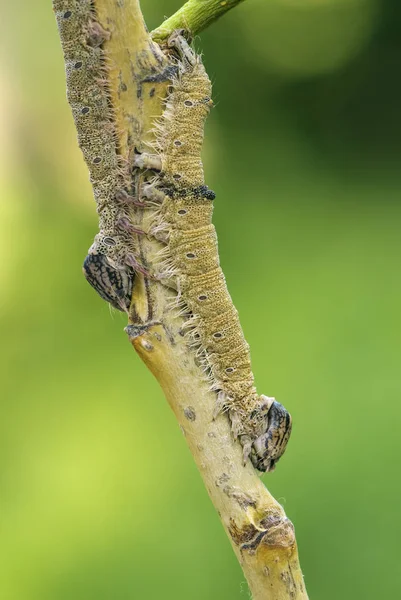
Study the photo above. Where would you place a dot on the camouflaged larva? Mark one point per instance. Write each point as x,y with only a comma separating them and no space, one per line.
82,37
192,262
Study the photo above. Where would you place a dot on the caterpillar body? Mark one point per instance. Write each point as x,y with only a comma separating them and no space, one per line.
109,266
190,262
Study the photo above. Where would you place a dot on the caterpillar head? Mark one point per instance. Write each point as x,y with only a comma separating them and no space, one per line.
267,449
111,283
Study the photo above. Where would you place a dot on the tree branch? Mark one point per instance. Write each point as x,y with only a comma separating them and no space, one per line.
262,537
194,16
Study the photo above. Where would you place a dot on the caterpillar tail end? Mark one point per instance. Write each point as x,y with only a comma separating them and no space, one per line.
265,451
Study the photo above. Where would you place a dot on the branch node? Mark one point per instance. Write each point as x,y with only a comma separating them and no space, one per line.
135,331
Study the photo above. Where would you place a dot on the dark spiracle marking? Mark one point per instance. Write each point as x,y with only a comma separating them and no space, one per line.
109,241
113,285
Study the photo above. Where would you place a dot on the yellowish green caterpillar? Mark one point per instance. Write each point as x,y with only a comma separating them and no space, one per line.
191,262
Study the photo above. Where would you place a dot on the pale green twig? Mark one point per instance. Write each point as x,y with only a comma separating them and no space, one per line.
194,16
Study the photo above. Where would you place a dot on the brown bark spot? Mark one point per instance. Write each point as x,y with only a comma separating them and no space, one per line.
274,530
223,478
243,499
190,413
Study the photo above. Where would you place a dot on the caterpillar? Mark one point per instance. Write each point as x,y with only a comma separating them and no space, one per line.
190,261
110,264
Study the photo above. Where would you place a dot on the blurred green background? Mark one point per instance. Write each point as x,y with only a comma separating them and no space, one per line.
99,497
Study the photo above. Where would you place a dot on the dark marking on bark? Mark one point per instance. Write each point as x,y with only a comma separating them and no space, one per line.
274,531
288,579
155,50
166,75
222,479
169,334
134,331
147,290
280,531
241,536
253,545
190,413
242,499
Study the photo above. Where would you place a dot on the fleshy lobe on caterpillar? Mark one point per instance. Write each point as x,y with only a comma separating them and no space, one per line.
184,223
110,261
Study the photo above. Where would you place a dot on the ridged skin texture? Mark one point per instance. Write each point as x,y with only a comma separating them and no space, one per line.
192,260
86,73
